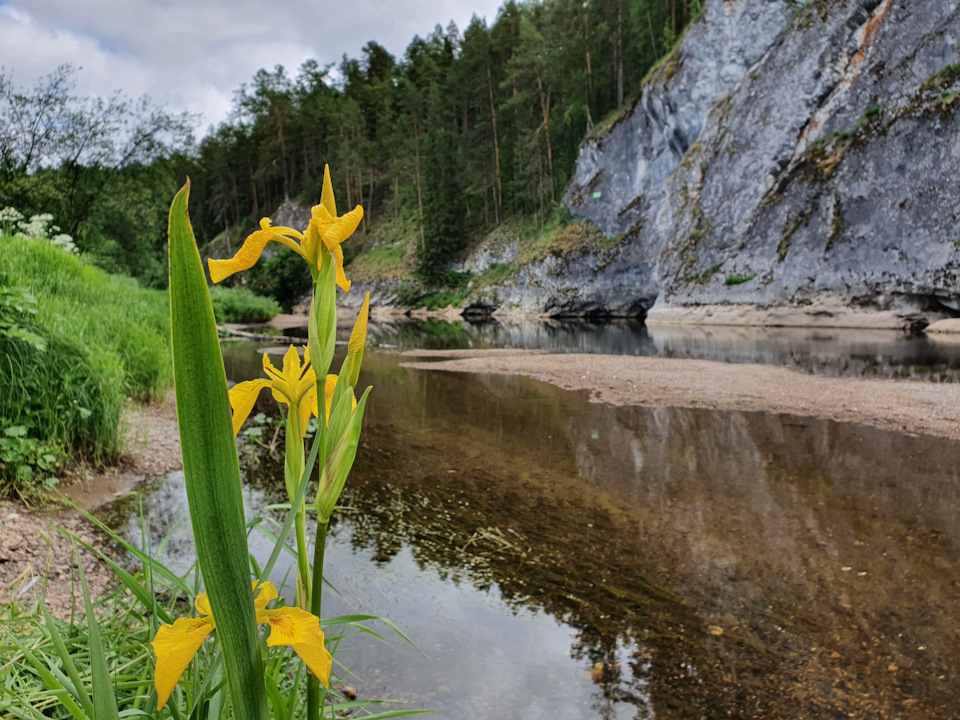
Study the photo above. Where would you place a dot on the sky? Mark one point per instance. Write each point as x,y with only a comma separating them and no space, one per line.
193,54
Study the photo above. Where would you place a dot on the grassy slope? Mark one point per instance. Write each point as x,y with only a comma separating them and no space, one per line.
107,339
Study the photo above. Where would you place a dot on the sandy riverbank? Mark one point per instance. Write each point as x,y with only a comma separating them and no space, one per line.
36,559
918,408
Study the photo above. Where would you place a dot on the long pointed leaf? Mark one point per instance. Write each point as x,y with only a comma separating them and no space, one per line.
211,468
79,691
104,700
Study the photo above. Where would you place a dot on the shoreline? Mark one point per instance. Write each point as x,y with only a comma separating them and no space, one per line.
35,558
906,406
31,547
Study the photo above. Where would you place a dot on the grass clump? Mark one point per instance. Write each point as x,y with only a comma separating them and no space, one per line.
380,263
239,305
738,279
704,275
74,342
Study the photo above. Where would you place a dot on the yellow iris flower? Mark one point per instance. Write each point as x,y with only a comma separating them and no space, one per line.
294,385
176,645
325,230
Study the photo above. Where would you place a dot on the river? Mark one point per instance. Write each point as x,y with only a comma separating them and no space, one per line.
557,558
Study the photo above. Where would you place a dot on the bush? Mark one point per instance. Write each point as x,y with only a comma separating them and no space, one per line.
74,342
239,305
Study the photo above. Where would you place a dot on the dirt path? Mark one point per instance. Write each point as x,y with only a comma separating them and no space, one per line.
916,408
36,559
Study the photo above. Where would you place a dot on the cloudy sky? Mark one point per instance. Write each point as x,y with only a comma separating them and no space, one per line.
193,54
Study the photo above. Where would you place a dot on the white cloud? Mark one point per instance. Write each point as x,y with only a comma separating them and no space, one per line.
193,54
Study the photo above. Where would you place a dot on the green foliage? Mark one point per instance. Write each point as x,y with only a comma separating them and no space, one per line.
17,309
494,274
76,343
210,467
51,667
467,130
239,305
381,262
704,275
283,277
738,279
450,290
26,464
945,77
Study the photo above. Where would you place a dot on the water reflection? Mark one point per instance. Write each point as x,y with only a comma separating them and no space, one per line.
829,351
557,558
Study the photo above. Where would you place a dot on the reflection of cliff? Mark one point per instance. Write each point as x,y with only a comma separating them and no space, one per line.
824,351
826,553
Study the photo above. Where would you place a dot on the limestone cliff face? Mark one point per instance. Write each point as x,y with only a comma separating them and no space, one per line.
785,154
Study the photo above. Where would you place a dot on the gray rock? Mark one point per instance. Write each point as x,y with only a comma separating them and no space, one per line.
783,155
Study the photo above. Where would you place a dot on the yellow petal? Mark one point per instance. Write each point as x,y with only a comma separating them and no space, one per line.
248,254
291,377
308,404
341,277
311,246
328,387
301,631
343,228
175,645
243,396
359,335
326,194
202,604
268,592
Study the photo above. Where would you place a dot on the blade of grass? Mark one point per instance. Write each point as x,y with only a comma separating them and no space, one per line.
52,683
104,700
80,691
146,598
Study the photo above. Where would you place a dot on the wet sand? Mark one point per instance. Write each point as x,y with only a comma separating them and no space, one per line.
912,407
36,560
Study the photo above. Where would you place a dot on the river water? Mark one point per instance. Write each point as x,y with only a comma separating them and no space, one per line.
557,558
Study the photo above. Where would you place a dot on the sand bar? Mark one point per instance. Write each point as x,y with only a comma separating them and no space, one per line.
912,407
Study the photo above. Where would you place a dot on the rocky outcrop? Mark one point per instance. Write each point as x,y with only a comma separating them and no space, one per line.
784,155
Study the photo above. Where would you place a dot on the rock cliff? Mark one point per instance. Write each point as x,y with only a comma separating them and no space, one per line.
786,156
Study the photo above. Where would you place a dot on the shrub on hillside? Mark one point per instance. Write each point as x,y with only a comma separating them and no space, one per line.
239,305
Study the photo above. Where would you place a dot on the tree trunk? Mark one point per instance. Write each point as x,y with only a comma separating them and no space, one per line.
498,194
416,146
619,53
368,210
653,39
545,109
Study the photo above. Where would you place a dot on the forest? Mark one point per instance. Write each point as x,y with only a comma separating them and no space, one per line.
469,128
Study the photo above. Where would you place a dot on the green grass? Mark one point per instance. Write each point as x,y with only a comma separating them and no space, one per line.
379,263
738,279
102,338
240,305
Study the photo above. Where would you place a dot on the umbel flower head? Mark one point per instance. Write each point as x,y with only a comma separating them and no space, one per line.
325,231
176,645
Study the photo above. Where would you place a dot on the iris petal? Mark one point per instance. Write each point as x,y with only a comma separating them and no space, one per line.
248,254
343,228
326,194
175,645
268,592
301,631
243,396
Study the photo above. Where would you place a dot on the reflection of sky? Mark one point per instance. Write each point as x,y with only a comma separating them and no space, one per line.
477,657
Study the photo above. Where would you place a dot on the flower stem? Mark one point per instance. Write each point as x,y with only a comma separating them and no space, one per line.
302,560
313,684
